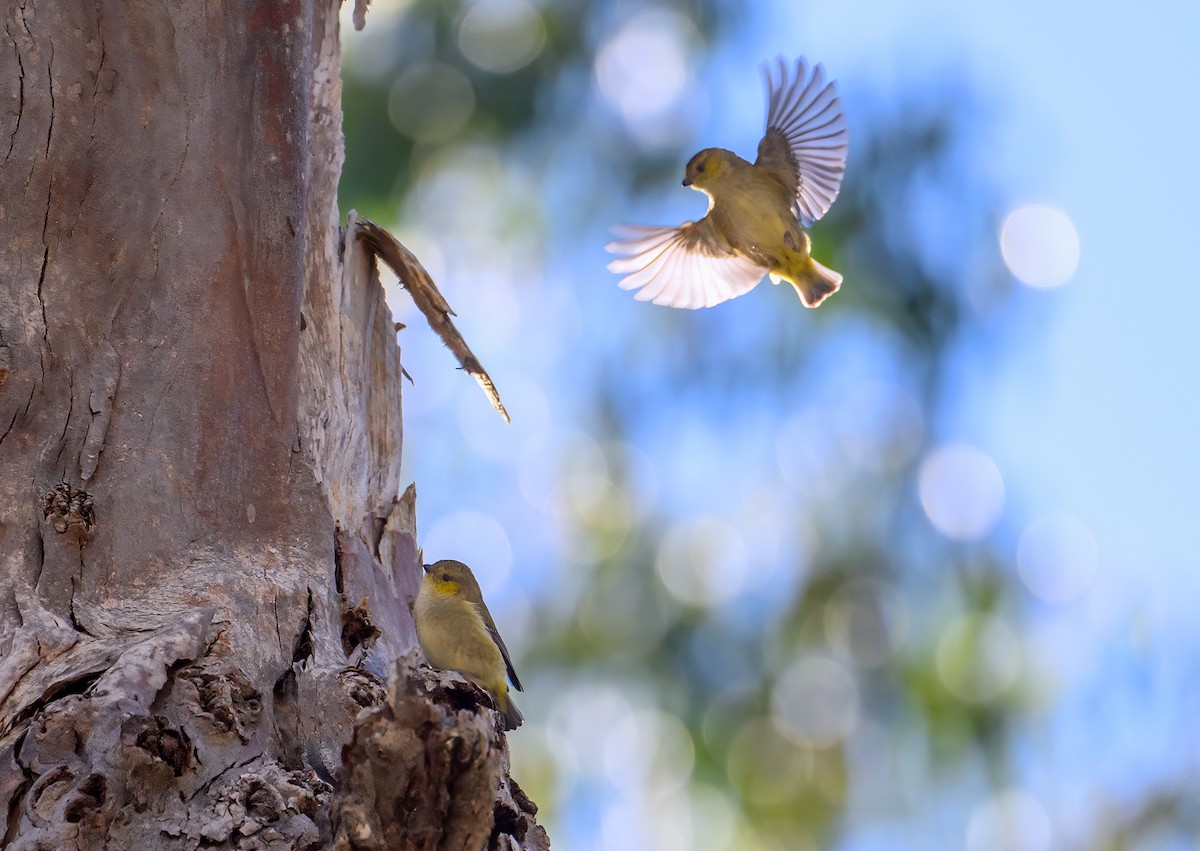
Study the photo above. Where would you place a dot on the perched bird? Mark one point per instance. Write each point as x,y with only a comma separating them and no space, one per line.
456,632
755,211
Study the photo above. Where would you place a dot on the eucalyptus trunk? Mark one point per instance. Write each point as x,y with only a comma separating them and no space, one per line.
205,568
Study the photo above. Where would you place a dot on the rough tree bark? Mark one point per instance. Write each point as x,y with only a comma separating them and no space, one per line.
204,569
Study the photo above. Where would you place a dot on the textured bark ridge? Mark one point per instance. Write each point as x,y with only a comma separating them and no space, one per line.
423,772
205,571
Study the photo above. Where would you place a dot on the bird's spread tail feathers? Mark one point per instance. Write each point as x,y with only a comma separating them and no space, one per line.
813,282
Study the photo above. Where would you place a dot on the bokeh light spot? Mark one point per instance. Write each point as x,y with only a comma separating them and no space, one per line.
702,563
1012,820
662,821
714,818
575,716
644,71
768,767
475,538
431,103
1057,558
596,511
866,621
961,491
978,658
816,700
649,749
1040,245
501,36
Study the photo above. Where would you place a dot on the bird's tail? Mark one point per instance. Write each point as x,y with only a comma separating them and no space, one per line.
508,711
813,282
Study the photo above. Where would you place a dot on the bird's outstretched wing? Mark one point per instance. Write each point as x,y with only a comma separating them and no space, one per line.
689,266
805,144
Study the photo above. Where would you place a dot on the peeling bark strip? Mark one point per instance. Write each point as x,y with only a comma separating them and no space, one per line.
204,565
428,298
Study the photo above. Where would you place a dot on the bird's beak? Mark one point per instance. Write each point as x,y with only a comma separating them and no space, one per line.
426,567
687,181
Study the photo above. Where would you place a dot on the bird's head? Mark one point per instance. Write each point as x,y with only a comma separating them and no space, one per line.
451,578
706,168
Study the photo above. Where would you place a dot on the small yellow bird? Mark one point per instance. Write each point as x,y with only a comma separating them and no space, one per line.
456,632
755,211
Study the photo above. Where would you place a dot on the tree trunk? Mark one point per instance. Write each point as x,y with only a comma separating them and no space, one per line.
204,620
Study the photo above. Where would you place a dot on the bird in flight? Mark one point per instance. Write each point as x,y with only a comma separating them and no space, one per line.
757,212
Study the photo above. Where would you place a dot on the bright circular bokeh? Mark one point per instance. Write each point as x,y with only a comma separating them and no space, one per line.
644,71
703,562
1058,558
574,715
816,701
650,747
501,36
767,767
714,818
1040,246
962,491
431,103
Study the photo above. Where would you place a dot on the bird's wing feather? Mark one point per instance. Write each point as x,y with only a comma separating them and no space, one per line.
805,144
495,634
689,266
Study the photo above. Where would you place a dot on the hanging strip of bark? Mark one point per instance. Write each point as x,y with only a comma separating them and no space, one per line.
428,298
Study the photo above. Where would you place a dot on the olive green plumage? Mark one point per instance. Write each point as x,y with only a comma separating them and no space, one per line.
757,212
456,632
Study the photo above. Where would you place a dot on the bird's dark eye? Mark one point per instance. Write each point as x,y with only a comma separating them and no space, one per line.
445,577
700,168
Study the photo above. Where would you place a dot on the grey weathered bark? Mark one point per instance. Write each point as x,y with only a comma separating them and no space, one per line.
205,568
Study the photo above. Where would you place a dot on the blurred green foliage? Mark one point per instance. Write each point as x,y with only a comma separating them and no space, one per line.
508,106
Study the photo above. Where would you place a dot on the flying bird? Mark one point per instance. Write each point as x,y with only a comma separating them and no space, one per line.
757,212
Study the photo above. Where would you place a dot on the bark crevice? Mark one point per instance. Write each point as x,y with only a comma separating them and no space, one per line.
12,139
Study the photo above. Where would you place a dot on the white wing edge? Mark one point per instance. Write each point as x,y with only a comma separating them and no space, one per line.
659,263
